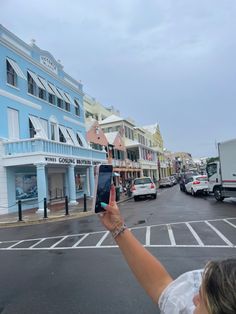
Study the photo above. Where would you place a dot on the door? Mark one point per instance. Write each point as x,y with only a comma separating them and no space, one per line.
213,177
56,189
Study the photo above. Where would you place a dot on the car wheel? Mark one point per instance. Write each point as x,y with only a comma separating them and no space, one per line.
135,198
154,196
192,192
218,194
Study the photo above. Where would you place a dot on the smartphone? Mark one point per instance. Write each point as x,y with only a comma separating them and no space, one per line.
103,181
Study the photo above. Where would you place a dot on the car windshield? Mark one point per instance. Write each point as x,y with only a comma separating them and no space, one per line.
142,181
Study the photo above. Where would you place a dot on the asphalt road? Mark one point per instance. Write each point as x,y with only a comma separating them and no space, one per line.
75,267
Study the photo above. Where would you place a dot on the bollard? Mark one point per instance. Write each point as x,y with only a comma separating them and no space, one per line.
85,203
19,211
66,206
45,208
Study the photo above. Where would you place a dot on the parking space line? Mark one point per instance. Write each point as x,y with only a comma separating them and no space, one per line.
102,239
58,242
80,240
219,234
199,241
148,235
35,244
230,223
171,235
15,244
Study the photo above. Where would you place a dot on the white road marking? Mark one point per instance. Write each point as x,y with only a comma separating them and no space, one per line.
58,242
171,235
80,240
32,246
14,243
230,223
148,236
199,241
102,239
219,234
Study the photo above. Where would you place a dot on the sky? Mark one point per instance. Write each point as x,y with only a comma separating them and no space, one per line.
170,62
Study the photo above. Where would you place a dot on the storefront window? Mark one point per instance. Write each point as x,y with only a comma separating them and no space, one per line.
81,182
26,186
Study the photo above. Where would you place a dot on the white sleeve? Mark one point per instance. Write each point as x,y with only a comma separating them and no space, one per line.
177,297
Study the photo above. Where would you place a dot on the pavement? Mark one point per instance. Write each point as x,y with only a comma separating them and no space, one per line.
56,212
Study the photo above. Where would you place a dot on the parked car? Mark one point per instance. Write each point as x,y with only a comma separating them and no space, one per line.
197,184
143,187
164,182
183,177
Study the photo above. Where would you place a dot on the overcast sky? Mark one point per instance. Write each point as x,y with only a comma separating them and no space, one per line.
166,61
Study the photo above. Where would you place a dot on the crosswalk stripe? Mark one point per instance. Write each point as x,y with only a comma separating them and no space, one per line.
80,240
32,246
171,235
148,236
102,239
15,244
230,223
58,242
199,241
219,234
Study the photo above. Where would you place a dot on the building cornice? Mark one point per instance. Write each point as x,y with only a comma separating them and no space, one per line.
34,62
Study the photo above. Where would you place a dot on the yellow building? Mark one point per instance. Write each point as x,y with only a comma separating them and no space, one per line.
157,140
94,109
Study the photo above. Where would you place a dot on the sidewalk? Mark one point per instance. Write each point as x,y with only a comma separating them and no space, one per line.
56,212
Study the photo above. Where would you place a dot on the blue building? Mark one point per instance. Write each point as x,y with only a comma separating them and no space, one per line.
43,151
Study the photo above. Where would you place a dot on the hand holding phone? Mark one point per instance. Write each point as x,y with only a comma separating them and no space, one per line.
103,182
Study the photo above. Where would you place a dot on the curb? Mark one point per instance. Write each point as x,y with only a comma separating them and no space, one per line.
9,224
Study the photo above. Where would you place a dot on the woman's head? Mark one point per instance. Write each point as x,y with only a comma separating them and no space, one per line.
219,287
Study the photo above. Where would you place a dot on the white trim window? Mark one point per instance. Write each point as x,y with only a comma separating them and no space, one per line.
44,124
36,128
31,85
73,137
66,135
13,124
11,75
81,140
77,108
13,71
53,131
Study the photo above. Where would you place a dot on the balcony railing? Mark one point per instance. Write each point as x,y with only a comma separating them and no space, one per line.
125,163
24,147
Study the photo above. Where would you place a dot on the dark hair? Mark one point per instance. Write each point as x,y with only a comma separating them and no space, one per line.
219,286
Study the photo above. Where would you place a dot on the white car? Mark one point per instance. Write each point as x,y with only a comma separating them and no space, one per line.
164,182
197,184
143,187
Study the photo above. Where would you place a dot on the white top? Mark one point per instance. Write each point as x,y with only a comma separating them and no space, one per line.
177,298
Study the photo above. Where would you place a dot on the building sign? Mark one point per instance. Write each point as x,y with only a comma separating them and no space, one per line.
67,161
48,63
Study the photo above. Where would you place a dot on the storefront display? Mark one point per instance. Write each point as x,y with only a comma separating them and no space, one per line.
26,186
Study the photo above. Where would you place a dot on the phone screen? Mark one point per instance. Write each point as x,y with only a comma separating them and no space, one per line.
103,187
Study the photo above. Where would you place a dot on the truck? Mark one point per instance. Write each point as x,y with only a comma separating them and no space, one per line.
222,173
